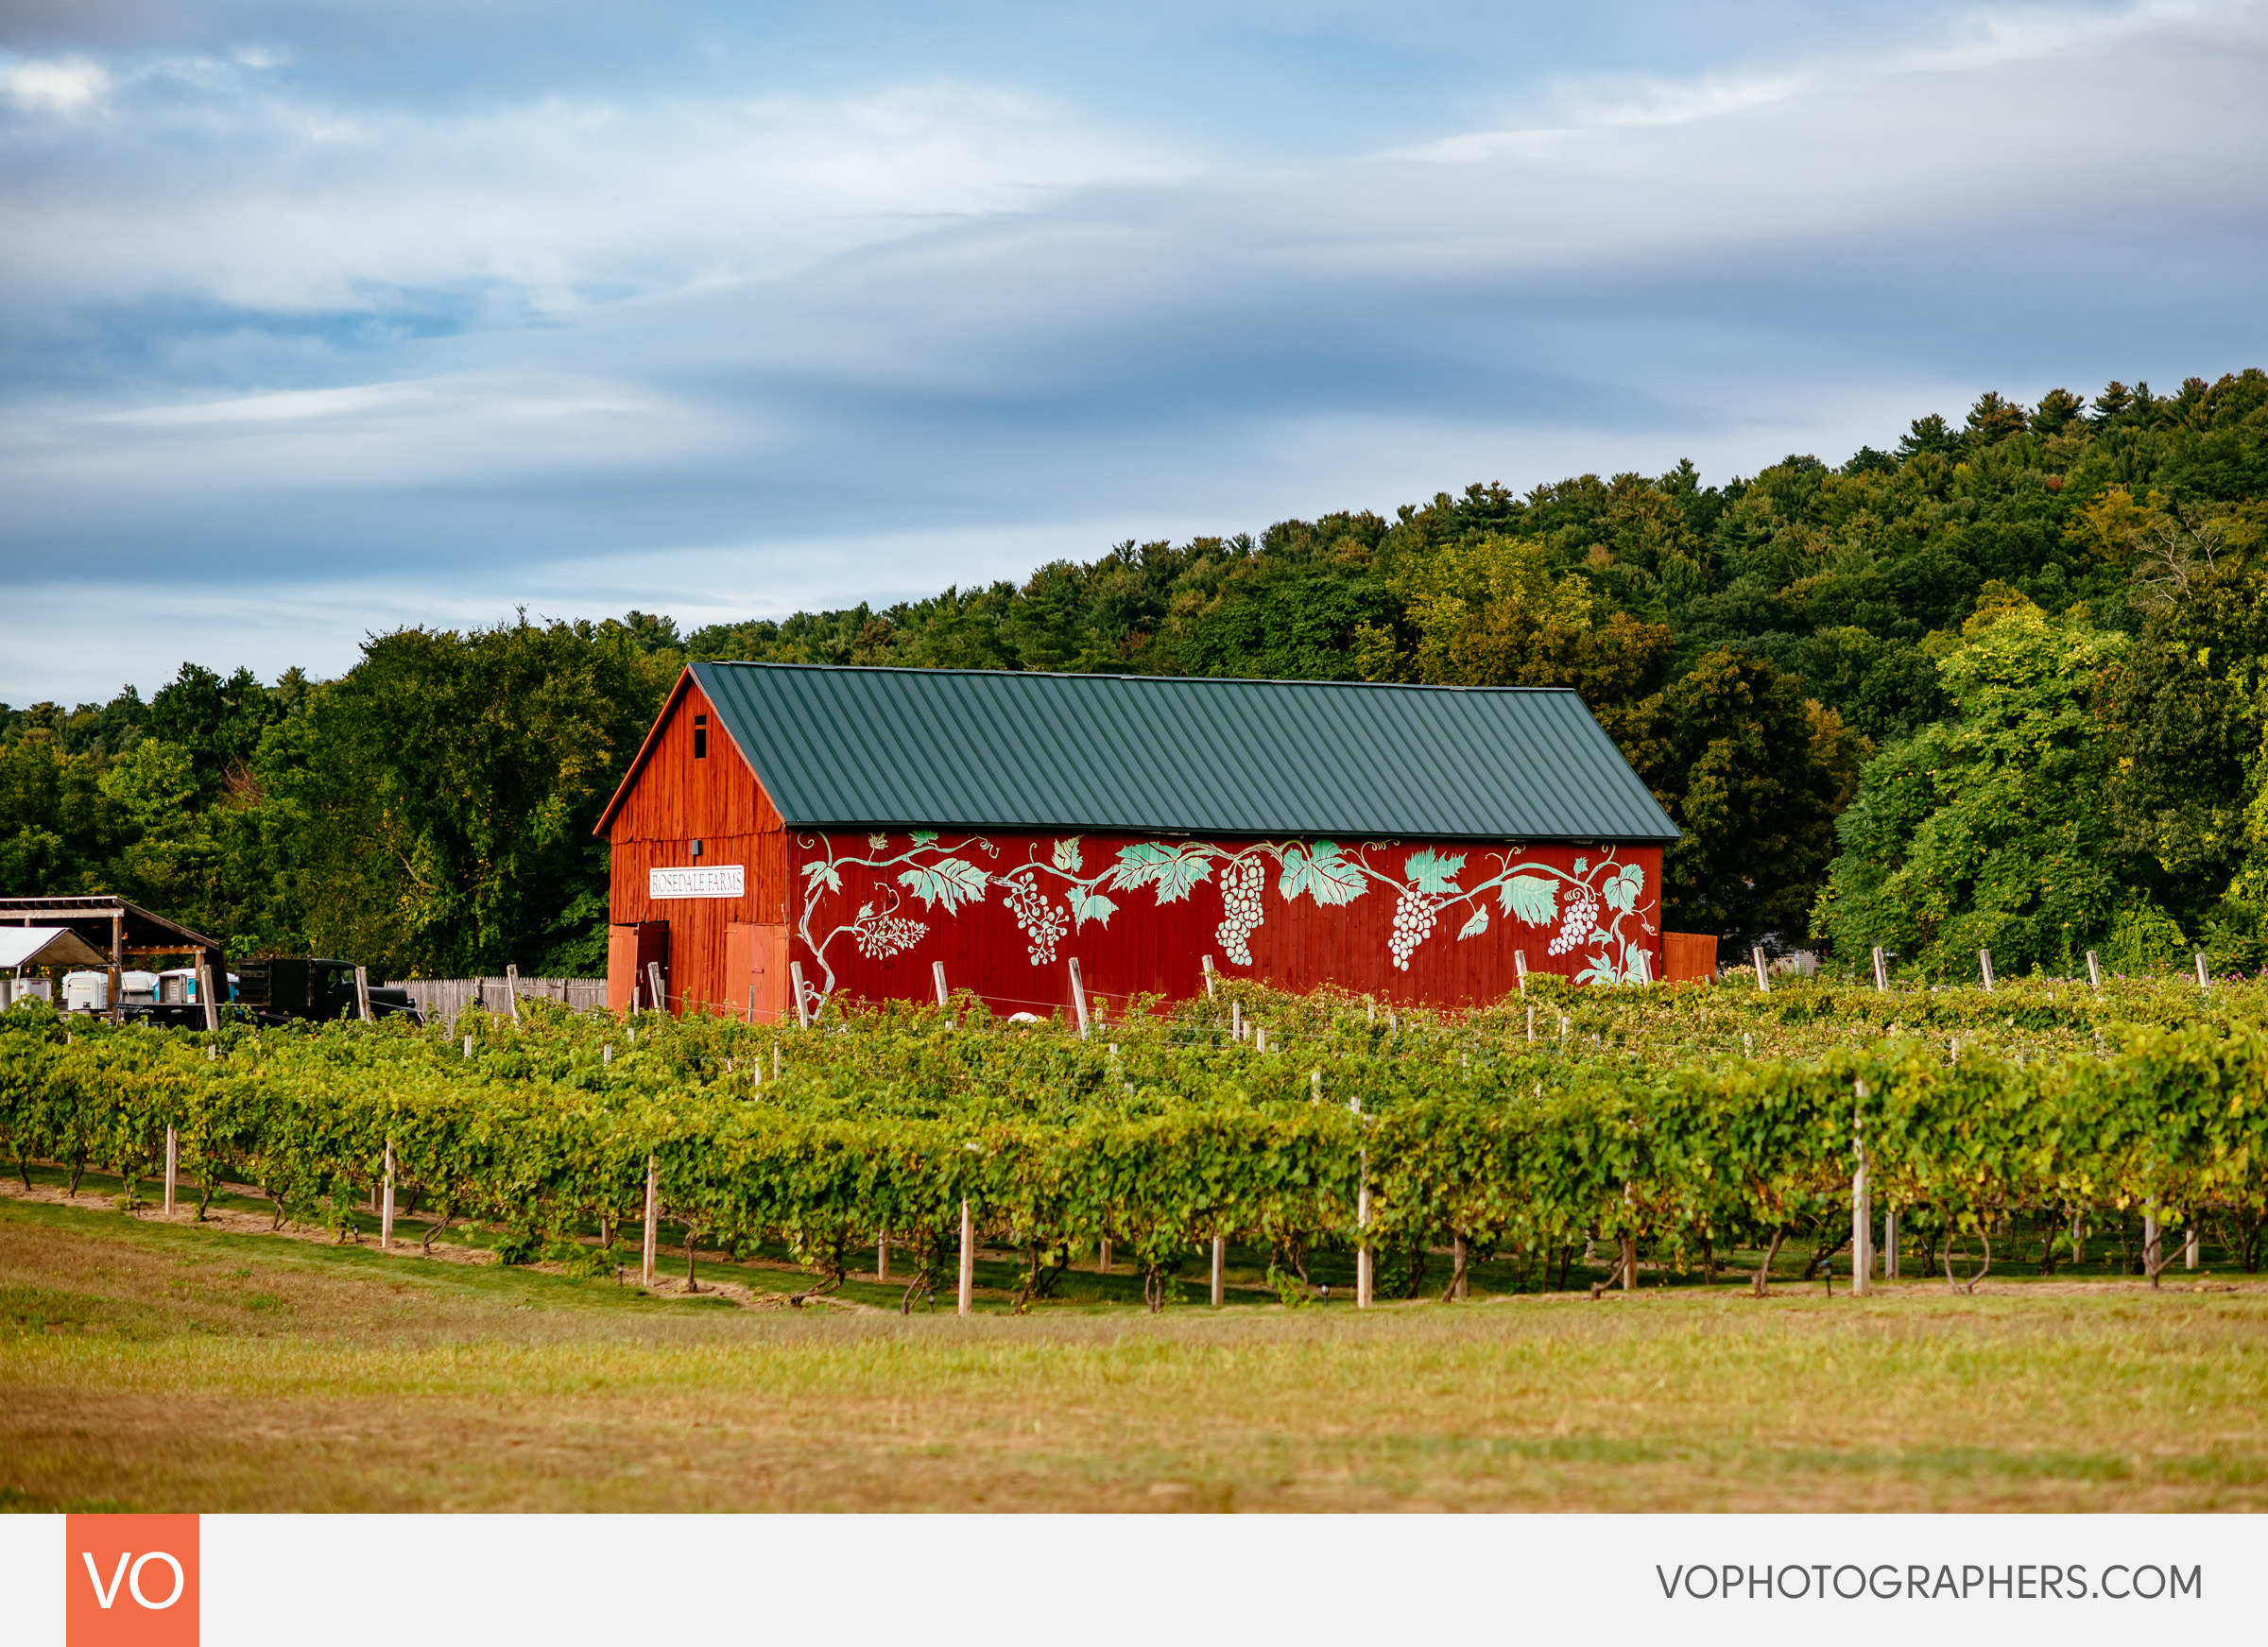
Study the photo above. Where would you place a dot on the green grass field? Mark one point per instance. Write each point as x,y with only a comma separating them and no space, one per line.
145,1365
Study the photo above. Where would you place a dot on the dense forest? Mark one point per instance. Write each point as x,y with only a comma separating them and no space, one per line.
2003,685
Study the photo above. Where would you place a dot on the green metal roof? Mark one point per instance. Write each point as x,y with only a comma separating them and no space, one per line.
1142,753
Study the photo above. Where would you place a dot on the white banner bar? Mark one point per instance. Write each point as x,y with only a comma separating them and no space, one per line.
725,881
1693,1580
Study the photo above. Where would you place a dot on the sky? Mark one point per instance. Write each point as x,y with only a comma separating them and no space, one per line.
324,318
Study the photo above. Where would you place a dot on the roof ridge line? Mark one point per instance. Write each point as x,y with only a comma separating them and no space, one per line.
1106,674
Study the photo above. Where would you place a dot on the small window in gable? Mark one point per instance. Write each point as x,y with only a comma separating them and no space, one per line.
700,737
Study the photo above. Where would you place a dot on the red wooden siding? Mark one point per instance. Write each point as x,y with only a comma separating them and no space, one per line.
1687,955
1151,947
674,800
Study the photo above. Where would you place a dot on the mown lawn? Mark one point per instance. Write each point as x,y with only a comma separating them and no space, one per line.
170,1367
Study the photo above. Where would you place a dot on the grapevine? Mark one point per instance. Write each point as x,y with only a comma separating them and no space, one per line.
1696,1116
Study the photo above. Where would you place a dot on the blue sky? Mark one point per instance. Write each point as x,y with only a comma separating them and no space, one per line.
324,318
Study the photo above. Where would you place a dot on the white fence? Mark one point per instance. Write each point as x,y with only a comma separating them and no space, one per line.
443,999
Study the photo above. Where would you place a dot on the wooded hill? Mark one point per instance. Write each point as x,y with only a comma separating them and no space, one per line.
1998,686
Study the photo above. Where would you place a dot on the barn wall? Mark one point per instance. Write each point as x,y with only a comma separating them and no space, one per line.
675,800
1000,912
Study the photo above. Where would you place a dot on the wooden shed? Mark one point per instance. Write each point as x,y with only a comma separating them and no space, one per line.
120,931
862,826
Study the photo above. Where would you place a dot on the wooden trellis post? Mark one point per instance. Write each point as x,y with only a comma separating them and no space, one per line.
882,1257
1861,1208
1364,1259
659,996
967,1297
512,988
936,970
206,994
794,982
1206,961
1078,997
1763,972
1220,1270
2204,978
2189,1250
1984,966
1520,969
386,1206
1881,971
173,1169
1364,1265
653,1220
2094,971
362,993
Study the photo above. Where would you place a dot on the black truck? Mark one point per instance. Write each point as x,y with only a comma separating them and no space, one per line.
278,988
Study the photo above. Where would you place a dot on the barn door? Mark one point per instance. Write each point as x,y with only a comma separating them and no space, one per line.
756,970
629,946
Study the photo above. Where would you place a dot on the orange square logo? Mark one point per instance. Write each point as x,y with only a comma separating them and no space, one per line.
129,1581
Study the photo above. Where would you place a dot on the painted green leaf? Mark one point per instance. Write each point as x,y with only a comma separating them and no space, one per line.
878,843
1171,869
1621,891
1325,875
1429,871
922,837
950,882
1478,924
819,869
1091,906
1067,855
1533,898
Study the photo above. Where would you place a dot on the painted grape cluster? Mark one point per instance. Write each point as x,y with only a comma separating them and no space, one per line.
1580,919
1242,882
1414,915
1041,921
880,936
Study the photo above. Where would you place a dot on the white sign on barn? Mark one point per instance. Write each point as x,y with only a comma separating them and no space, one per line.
726,881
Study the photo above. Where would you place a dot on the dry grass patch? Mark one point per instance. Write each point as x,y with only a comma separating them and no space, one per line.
168,1367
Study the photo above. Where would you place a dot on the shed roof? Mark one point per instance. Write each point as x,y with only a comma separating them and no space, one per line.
982,748
89,914
46,946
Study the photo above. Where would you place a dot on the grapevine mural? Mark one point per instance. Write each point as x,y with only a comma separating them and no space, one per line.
1594,911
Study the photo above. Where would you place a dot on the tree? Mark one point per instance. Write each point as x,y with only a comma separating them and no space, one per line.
445,789
1989,831
1754,773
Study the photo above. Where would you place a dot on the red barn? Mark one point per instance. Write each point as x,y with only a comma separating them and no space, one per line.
860,826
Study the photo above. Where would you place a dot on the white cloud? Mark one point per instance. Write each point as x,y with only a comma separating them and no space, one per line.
231,189
54,85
